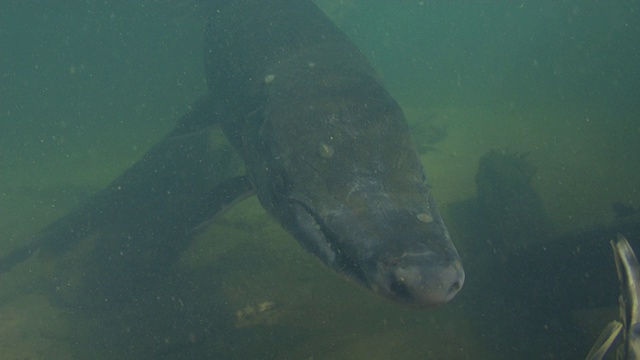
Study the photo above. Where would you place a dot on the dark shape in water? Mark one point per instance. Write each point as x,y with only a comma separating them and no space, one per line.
325,147
622,210
507,203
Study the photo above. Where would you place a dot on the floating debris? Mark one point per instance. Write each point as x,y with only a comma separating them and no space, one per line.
264,313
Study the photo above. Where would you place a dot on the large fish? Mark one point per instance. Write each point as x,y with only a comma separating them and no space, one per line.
326,149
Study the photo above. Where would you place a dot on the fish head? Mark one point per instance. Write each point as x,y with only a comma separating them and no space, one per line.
342,176
384,241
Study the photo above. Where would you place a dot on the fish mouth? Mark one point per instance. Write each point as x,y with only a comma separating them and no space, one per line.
419,280
422,279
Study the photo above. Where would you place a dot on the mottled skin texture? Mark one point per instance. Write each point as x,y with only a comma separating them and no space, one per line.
328,149
325,147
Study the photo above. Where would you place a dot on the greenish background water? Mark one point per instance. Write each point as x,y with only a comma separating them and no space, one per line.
87,87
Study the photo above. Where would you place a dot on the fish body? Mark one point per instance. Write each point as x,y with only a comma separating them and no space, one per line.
325,147
328,149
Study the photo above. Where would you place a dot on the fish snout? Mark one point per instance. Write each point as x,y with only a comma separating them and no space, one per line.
415,280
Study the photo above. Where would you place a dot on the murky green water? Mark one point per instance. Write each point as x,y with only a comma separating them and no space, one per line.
87,87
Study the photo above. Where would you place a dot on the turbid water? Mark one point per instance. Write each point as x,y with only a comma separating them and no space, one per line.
87,89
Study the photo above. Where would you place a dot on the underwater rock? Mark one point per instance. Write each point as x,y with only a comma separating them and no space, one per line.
511,211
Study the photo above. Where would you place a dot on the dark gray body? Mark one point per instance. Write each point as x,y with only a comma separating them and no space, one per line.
328,149
325,147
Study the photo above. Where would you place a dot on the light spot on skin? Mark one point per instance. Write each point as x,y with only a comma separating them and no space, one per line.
326,151
424,217
268,79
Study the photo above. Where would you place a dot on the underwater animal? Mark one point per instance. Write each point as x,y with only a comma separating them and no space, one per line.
629,275
325,147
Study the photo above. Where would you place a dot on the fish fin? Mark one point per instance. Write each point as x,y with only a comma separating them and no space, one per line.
203,114
629,276
222,198
150,205
605,340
